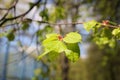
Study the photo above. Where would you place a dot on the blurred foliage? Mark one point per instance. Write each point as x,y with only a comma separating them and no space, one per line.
42,32
44,15
25,26
105,61
101,63
107,9
57,14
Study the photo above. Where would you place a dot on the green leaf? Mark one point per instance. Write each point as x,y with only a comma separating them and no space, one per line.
104,40
52,55
52,35
101,41
74,47
49,40
115,32
72,37
57,46
73,52
10,36
72,56
53,46
89,25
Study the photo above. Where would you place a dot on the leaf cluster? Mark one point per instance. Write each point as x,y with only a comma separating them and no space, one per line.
103,34
54,44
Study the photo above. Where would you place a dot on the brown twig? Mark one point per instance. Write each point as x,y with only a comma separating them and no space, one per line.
50,23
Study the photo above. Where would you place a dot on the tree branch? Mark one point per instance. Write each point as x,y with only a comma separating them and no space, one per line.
13,5
19,16
50,23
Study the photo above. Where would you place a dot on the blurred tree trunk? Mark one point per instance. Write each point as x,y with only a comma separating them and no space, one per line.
65,68
112,74
4,73
23,66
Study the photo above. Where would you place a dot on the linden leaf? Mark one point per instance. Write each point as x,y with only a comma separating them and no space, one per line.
52,55
51,35
72,56
116,31
72,37
74,47
57,46
72,52
89,25
53,47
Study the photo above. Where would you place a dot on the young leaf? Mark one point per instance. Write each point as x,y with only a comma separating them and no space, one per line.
74,47
101,41
52,55
51,35
72,52
116,31
53,47
57,46
72,37
89,25
48,40
72,56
